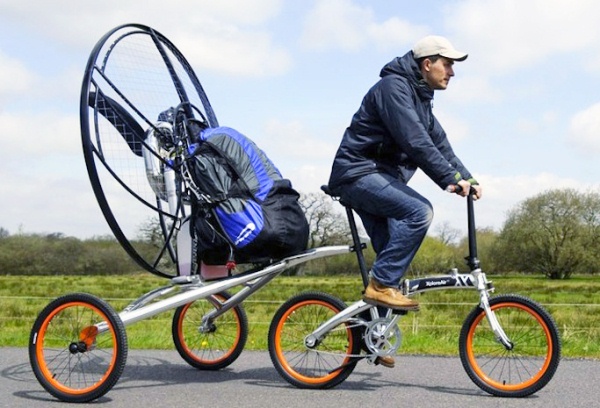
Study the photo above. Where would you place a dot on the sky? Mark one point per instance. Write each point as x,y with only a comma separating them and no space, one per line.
522,112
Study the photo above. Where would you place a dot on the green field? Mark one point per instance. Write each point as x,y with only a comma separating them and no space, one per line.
574,304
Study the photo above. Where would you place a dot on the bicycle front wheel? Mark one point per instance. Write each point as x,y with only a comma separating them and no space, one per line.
525,368
78,348
331,360
210,345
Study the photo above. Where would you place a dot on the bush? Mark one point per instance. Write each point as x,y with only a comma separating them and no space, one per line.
434,257
55,254
556,233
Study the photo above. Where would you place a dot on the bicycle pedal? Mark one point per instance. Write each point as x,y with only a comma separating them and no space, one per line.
385,361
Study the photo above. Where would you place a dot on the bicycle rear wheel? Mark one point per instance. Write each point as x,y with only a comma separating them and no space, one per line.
522,370
216,344
78,348
334,357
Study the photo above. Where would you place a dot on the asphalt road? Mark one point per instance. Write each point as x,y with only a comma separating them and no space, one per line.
162,379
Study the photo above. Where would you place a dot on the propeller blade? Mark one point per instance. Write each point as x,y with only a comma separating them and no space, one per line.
122,120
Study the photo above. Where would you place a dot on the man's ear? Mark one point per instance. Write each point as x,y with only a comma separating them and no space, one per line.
426,65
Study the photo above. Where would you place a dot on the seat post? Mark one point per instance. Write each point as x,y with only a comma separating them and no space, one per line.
358,246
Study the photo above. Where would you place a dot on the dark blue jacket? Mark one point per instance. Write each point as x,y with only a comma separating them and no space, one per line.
395,131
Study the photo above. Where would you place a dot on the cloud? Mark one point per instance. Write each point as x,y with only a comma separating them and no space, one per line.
229,37
533,126
393,32
542,48
231,50
456,129
310,177
504,193
501,194
46,204
469,89
506,35
584,130
15,78
38,135
299,153
342,24
242,12
296,141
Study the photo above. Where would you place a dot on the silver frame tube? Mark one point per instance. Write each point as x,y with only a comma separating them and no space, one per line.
140,310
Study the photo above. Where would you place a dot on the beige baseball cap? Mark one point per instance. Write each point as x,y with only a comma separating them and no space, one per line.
436,45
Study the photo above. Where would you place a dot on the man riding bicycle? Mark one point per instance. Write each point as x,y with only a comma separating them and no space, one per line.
393,133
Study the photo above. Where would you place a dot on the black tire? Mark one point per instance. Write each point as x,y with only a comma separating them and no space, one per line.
70,358
306,367
529,365
217,347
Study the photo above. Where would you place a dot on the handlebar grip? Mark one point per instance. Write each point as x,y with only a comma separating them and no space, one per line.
454,188
457,189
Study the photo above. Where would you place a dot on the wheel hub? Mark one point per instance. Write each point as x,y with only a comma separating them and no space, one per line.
77,347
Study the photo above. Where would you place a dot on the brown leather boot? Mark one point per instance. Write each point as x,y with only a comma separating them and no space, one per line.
380,295
386,361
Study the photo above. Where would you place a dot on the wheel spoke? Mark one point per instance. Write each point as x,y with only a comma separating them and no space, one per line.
219,343
67,363
330,360
522,370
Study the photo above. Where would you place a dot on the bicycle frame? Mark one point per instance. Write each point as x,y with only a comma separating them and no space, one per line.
476,279
193,288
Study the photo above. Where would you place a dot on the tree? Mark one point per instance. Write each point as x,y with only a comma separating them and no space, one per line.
486,243
327,227
151,232
556,233
434,257
447,234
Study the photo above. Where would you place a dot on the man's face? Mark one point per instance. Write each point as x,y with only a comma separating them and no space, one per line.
437,74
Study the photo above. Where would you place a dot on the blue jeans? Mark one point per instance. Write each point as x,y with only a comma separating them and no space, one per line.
396,219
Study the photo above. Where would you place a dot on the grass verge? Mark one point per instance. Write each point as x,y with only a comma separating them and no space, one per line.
573,303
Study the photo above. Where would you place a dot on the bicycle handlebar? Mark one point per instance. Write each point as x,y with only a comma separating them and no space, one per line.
472,259
457,189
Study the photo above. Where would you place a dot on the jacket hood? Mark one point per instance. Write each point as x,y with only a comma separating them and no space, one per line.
407,67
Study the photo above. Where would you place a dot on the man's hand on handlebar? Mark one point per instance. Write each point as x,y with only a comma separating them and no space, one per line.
476,191
464,188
